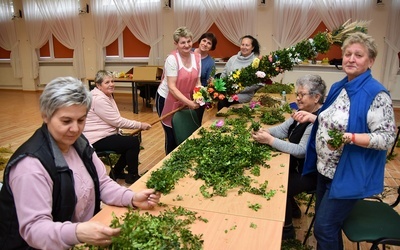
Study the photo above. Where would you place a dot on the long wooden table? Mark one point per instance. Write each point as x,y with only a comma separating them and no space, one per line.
135,84
231,223
222,231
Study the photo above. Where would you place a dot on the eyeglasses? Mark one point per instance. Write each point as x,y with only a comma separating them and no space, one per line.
301,95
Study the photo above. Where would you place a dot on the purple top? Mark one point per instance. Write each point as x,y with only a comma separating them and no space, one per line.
32,188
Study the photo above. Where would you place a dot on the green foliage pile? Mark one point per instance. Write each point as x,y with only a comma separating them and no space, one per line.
266,114
168,230
294,244
272,116
219,156
277,88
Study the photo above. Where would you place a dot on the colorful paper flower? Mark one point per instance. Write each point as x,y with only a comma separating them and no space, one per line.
263,69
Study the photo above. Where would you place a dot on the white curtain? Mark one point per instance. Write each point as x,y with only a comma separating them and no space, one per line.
144,20
63,18
192,14
108,26
234,19
335,13
392,46
38,32
295,20
8,37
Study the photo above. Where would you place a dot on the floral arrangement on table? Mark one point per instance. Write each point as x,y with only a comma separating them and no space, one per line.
264,68
121,75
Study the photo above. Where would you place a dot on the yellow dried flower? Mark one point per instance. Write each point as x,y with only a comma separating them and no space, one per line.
255,63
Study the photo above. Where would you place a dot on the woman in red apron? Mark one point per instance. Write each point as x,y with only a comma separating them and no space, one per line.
181,75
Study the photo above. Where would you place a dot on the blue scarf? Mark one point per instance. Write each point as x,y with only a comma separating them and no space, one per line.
360,171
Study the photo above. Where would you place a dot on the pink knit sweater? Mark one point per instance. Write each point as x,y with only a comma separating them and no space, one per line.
104,118
32,188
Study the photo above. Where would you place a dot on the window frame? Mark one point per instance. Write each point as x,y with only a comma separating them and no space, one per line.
51,58
120,57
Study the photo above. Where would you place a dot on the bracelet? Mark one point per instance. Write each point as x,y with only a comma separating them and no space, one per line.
353,138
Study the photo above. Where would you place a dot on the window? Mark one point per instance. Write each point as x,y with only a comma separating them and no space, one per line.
54,50
127,46
4,54
335,50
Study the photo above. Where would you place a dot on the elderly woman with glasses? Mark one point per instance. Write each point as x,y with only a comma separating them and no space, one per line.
310,92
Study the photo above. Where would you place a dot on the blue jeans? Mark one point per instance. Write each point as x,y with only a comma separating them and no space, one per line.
330,214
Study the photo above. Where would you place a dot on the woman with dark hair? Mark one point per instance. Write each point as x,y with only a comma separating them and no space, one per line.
249,49
207,42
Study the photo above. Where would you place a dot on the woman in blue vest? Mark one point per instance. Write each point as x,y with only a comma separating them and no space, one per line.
54,182
310,93
361,109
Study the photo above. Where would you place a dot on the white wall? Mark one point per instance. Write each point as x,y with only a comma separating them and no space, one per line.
395,91
7,80
49,72
265,25
329,73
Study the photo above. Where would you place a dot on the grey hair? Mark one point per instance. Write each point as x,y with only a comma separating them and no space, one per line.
63,92
314,84
100,75
361,38
182,32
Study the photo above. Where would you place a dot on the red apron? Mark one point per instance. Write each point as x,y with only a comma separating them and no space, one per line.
185,82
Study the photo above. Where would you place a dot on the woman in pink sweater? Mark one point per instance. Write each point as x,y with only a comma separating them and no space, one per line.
54,182
103,126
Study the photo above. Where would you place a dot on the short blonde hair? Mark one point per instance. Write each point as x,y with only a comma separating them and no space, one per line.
361,38
182,32
100,75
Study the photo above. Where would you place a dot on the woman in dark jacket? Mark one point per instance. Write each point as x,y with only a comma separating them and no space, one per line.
310,92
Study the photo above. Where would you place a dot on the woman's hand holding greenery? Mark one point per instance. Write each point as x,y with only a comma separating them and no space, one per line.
337,138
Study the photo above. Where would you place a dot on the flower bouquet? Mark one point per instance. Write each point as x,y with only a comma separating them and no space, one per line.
268,66
229,86
202,97
121,74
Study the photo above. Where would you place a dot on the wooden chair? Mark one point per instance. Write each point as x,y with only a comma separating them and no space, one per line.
375,222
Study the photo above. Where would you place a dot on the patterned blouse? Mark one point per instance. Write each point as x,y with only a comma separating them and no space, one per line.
380,120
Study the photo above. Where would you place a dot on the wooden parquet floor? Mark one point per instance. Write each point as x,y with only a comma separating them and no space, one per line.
20,117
